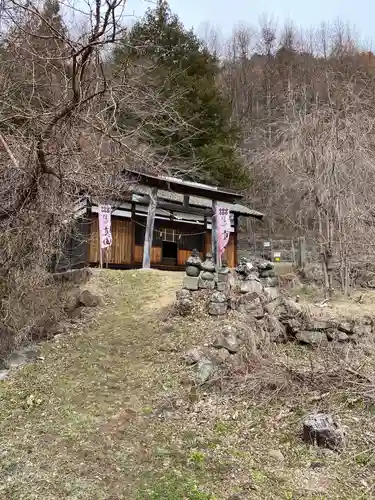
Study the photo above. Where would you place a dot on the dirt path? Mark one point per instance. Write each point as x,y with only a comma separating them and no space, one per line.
106,417
75,425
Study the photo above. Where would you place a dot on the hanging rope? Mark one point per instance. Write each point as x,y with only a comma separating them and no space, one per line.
181,235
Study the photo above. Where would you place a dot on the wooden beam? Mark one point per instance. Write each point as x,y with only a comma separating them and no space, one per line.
147,247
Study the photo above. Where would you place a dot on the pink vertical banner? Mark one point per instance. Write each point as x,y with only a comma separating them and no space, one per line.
105,230
223,227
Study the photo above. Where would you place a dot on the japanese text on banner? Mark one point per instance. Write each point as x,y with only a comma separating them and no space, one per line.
105,232
223,227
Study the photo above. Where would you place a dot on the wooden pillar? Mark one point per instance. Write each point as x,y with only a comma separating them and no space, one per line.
147,247
215,246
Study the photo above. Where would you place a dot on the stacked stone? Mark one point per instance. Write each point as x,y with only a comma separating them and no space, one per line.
248,277
200,275
267,274
223,277
192,271
268,278
245,269
207,276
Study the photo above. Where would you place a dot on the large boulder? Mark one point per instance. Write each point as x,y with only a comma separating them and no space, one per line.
205,369
251,285
228,340
192,356
252,304
276,330
217,308
316,338
320,429
291,314
89,299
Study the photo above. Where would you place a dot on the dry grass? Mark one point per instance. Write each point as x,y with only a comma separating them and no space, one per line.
106,416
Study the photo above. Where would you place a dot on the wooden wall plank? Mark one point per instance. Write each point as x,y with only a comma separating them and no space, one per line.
120,251
155,254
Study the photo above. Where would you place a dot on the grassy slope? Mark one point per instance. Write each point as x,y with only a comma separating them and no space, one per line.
105,417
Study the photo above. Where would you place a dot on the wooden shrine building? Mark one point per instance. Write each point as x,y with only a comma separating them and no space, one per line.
182,220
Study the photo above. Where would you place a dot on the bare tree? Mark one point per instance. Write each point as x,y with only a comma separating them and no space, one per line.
60,137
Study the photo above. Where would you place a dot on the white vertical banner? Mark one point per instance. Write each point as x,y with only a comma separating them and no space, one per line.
223,227
105,230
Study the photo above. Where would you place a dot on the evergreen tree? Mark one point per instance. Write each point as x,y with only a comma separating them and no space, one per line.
182,70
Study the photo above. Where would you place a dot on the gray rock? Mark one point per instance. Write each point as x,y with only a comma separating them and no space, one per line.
277,331
217,309
222,277
269,282
269,273
184,307
320,429
204,284
208,264
4,374
89,299
207,276
342,337
190,283
205,369
263,266
224,269
289,313
293,326
183,294
244,268
192,271
228,340
251,303
312,338
337,336
319,324
254,308
346,326
272,293
251,286
194,260
221,286
219,297
192,356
